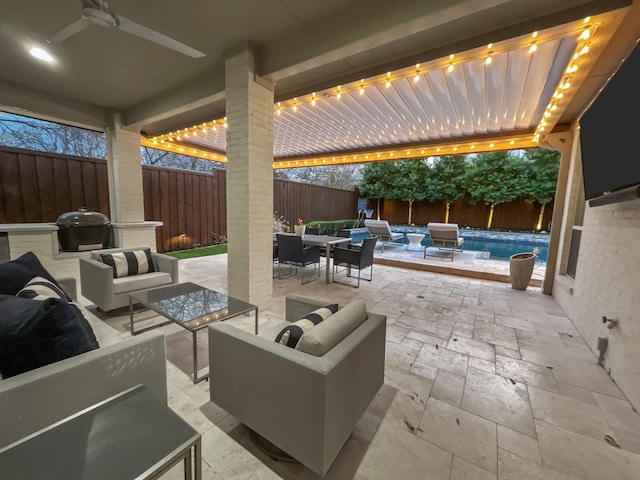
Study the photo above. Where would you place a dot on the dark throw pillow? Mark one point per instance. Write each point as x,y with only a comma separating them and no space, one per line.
15,274
291,334
128,263
37,333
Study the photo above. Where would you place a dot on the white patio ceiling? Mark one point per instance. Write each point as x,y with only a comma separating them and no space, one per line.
320,56
500,96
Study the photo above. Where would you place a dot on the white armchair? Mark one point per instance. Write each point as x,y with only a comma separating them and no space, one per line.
107,293
306,405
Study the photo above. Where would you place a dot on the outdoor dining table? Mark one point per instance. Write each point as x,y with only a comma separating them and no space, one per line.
327,241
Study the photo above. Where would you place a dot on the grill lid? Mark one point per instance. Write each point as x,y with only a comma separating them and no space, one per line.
82,217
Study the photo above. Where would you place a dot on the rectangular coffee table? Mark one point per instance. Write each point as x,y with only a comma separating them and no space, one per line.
191,306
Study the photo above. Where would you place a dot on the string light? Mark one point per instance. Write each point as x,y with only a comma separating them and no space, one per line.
584,36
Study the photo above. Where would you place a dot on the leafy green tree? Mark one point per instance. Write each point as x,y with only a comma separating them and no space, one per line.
495,178
541,172
376,182
408,182
447,180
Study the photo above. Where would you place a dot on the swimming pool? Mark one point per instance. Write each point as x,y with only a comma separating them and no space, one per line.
492,245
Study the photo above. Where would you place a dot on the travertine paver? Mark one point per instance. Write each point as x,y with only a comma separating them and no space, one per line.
517,395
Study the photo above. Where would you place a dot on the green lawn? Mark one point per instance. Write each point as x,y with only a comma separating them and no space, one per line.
199,252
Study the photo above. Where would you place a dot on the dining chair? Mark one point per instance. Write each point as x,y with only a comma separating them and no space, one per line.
354,256
292,252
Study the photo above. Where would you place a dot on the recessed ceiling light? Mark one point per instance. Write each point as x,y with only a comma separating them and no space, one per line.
41,54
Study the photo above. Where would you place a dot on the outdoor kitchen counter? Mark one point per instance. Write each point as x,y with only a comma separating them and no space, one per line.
42,239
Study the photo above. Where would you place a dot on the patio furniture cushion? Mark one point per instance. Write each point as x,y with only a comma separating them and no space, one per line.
140,282
322,338
37,333
39,288
291,334
15,274
132,262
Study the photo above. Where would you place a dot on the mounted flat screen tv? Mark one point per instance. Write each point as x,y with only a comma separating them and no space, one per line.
610,138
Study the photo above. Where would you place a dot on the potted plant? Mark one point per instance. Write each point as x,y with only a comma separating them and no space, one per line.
299,227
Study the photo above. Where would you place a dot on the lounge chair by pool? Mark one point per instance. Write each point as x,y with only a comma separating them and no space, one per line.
445,236
382,230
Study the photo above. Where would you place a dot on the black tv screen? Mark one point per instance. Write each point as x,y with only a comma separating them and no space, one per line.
610,133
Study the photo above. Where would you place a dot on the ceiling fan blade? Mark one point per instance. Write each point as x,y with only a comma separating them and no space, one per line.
155,37
70,30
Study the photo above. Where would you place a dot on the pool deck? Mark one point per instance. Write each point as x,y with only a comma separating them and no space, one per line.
466,264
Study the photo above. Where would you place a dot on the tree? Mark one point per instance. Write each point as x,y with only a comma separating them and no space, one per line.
447,180
541,171
408,182
495,178
33,134
162,158
375,181
344,177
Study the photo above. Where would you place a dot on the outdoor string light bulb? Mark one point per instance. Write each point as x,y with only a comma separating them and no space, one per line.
583,35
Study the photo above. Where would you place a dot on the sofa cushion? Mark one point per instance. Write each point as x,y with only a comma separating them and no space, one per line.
39,288
328,334
291,334
15,274
132,262
137,282
37,333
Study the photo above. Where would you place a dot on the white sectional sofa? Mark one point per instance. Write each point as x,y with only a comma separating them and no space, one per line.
39,398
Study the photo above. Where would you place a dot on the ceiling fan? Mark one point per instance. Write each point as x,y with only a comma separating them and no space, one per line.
98,12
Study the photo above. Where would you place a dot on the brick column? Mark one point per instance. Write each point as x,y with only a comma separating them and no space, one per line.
249,107
124,167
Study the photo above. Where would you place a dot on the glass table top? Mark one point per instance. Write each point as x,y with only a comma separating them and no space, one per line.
192,306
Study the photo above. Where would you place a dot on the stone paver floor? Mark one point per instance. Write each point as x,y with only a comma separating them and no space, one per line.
481,382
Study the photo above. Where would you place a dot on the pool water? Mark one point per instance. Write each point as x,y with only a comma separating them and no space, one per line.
494,245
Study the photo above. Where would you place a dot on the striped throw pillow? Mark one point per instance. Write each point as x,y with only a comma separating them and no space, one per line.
291,334
132,262
39,288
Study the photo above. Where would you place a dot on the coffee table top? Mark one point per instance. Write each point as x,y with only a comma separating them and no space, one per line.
190,305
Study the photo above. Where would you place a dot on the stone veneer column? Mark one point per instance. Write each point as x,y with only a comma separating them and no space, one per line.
249,107
126,198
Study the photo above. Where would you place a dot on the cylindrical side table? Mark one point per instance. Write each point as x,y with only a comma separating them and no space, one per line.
414,241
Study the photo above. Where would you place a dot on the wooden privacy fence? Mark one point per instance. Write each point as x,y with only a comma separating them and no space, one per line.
37,187
516,215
